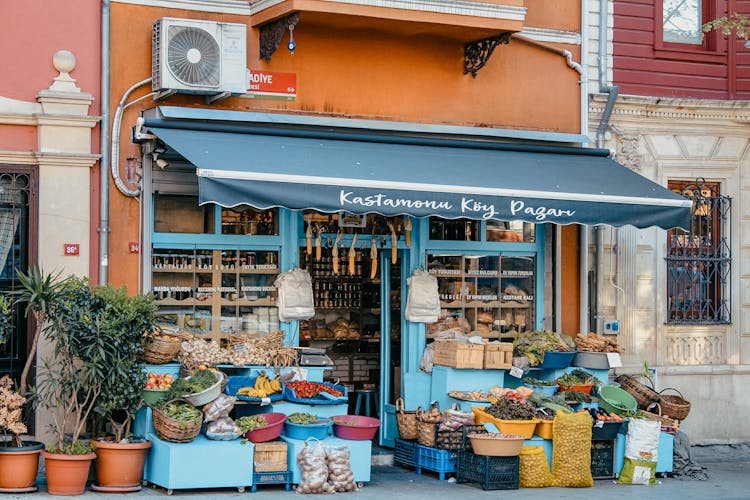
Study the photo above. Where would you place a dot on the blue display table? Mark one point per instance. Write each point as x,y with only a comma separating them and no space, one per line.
544,443
201,463
360,459
665,459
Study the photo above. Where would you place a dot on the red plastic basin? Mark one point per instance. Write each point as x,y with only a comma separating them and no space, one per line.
269,432
355,427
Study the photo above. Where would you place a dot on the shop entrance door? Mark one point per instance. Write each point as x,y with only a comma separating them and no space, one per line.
391,322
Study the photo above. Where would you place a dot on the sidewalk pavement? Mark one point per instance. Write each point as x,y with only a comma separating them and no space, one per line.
728,471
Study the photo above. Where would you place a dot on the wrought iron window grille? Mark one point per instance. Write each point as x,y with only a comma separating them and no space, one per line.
699,261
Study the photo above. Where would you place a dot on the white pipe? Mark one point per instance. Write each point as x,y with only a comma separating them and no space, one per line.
583,251
103,142
116,123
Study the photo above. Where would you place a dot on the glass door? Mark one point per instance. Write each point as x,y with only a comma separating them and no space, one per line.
391,319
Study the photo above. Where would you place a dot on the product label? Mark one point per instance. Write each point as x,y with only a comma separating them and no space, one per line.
641,475
614,359
516,372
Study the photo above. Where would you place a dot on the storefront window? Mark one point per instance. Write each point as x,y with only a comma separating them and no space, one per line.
216,293
454,229
509,231
491,296
181,214
248,220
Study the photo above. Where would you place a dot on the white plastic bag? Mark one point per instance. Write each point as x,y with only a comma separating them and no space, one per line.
340,475
423,301
428,357
218,408
295,295
642,441
314,468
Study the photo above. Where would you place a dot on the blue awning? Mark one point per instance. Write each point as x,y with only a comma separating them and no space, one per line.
486,180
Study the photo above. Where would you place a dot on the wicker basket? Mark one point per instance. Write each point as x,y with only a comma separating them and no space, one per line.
644,395
158,350
676,407
406,420
658,417
426,428
169,429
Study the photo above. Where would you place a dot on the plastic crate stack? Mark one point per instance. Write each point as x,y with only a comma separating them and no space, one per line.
423,457
491,473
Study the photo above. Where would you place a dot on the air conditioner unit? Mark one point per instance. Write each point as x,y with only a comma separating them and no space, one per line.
199,57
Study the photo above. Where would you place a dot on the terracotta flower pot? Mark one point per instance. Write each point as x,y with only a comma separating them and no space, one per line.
67,474
18,466
119,466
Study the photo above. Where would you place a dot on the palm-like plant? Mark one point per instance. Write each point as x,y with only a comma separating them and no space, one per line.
40,292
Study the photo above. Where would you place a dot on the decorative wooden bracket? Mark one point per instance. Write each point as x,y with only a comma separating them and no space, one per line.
272,33
476,54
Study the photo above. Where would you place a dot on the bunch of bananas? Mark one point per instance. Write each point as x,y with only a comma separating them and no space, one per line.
262,389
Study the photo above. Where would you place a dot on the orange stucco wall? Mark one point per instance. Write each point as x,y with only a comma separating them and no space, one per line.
569,266
373,72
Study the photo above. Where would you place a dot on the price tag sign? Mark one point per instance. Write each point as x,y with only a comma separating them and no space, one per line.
599,423
265,401
516,372
614,359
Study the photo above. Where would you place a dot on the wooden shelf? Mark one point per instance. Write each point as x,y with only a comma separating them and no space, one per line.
475,304
180,270
213,284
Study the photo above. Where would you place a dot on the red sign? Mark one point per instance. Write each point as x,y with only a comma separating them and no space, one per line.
71,248
134,247
272,84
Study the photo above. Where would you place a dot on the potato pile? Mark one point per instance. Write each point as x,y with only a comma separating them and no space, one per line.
340,475
314,469
571,450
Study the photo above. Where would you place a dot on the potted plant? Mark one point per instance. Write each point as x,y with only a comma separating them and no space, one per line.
19,460
40,292
121,322
71,381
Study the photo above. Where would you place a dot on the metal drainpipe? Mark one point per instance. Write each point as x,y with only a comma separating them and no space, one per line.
104,148
583,275
612,92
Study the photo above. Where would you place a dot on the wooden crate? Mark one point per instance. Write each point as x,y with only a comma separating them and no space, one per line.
498,355
270,456
451,353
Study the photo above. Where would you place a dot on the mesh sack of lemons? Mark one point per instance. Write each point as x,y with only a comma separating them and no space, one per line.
533,471
571,450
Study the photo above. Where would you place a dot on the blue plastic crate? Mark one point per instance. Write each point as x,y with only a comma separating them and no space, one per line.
272,478
440,461
492,473
406,452
555,360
